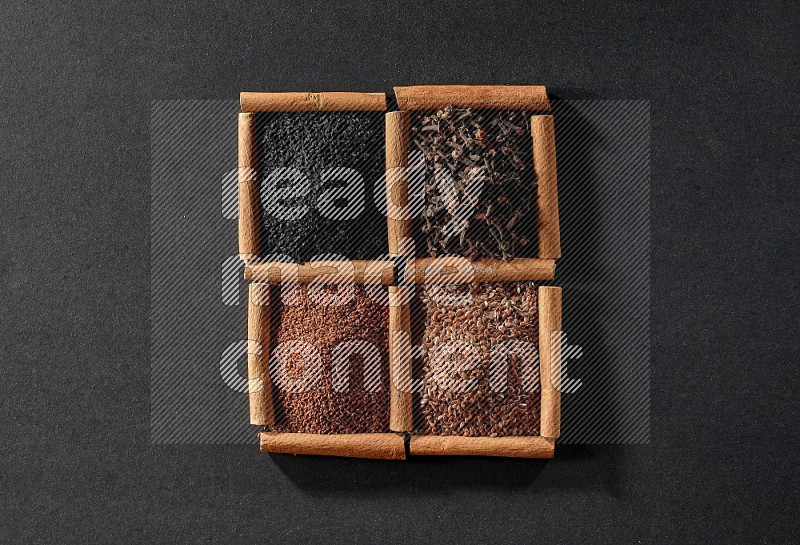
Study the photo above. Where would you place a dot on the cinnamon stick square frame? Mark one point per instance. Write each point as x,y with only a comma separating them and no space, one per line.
398,141
388,446
400,364
392,445
250,245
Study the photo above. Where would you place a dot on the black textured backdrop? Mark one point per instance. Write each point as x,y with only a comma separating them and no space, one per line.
76,84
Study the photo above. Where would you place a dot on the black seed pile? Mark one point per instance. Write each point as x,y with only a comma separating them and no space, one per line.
496,222
312,142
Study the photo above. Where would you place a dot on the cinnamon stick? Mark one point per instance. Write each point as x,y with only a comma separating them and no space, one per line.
248,189
499,97
311,102
401,418
454,270
513,447
550,359
330,272
258,335
381,446
398,138
544,163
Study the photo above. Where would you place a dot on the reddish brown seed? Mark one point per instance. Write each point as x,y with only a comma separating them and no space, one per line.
323,409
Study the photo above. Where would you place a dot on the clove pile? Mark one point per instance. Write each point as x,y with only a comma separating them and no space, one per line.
479,183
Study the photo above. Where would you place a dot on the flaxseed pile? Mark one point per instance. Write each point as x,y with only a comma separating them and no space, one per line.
489,393
358,406
479,184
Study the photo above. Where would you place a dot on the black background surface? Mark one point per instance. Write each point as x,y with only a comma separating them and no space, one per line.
76,85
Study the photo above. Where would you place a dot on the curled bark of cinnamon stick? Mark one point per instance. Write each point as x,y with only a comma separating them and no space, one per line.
311,102
544,162
258,336
499,97
380,446
398,138
454,270
550,359
329,272
248,189
512,447
401,416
